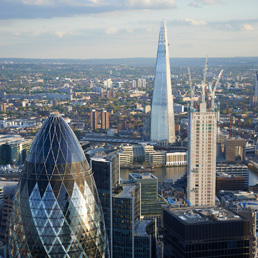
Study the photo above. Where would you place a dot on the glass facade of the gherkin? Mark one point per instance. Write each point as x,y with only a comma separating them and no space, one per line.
57,212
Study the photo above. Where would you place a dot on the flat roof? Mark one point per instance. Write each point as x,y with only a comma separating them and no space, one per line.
146,175
196,215
140,227
127,191
100,158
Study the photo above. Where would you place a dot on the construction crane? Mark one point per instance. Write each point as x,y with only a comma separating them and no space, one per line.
204,79
230,121
212,91
208,100
192,88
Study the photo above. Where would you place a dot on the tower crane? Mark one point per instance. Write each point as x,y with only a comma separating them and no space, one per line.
212,91
230,121
204,79
192,88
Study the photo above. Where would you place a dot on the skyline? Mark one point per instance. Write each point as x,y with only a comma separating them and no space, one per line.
107,29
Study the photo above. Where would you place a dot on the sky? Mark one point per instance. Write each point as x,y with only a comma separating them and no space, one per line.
94,29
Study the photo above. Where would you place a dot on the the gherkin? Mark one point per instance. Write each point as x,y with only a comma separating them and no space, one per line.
57,212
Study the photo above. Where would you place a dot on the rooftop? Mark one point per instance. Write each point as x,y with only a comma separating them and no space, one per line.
100,158
8,138
142,176
190,215
140,227
127,191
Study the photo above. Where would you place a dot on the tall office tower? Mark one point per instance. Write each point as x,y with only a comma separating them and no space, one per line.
106,172
207,232
94,116
57,212
201,177
126,211
162,110
256,84
7,206
104,120
128,235
151,202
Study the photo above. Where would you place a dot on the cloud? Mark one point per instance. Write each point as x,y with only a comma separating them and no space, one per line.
194,4
66,8
199,3
111,30
150,29
234,25
60,34
38,2
247,27
150,3
129,30
189,22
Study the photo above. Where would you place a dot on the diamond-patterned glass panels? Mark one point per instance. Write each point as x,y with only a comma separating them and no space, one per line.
57,212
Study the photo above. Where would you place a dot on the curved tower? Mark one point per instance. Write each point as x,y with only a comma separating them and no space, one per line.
57,212
162,110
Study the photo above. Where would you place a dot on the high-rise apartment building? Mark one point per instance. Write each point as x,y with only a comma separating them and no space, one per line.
94,119
102,116
162,110
2,107
201,177
104,120
57,212
139,83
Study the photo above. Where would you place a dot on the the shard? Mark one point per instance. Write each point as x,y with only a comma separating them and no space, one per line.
162,111
57,211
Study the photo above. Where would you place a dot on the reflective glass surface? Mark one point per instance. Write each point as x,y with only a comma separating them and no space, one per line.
57,212
162,110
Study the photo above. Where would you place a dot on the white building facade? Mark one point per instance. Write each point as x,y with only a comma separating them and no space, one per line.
201,177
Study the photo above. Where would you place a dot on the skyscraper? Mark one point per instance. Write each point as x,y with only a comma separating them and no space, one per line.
162,110
207,232
56,210
256,84
201,178
106,171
